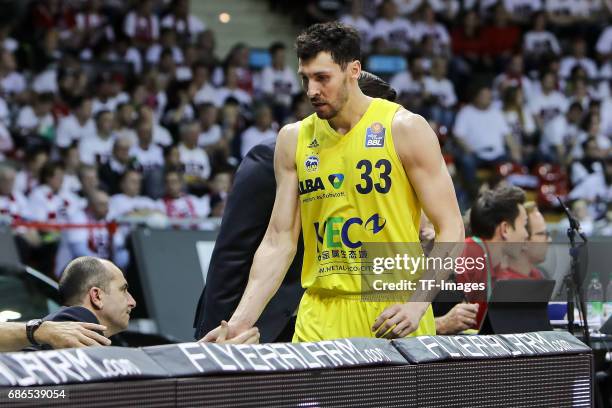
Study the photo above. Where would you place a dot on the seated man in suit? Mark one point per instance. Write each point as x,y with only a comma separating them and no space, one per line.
94,290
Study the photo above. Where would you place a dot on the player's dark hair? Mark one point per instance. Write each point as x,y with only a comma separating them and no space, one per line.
340,40
494,207
81,275
376,87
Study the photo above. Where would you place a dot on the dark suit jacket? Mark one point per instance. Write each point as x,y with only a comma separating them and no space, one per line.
245,220
67,314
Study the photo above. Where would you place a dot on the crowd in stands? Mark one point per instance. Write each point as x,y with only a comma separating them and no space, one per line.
116,109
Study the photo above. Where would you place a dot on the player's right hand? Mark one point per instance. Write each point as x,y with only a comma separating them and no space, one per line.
226,334
71,334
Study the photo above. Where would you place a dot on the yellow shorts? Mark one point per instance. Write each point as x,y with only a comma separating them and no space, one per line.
325,316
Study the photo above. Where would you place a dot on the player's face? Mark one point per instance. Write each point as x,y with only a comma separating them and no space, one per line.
325,83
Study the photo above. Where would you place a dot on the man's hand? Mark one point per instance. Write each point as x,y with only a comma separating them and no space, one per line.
70,334
250,336
460,318
399,320
224,331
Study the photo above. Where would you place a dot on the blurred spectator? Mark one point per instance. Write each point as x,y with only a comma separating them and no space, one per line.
194,159
167,44
97,149
12,83
578,58
482,134
429,27
125,52
130,202
520,121
161,135
468,44
12,203
111,171
538,42
206,92
278,81
108,94
319,11
96,241
559,139
441,94
604,44
357,20
147,155
142,25
260,131
89,181
501,38
78,125
220,187
7,42
172,158
396,31
411,87
177,204
238,59
210,131
231,88
92,27
513,76
548,102
27,178
6,141
125,121
522,11
580,210
186,25
205,47
71,163
36,123
589,164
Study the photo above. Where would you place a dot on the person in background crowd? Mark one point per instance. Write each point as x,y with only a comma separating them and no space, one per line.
129,201
257,133
110,172
176,204
97,149
95,241
194,159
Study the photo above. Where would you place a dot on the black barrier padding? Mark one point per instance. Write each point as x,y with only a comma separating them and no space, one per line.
543,381
352,387
551,381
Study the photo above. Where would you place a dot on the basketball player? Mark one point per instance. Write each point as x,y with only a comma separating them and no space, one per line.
358,170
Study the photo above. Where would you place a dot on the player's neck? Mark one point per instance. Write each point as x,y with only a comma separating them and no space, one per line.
352,111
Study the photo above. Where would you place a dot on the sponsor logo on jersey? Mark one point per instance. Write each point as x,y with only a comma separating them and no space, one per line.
338,232
310,185
336,180
375,135
312,163
314,144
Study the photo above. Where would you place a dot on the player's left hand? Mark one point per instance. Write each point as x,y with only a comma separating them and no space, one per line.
399,320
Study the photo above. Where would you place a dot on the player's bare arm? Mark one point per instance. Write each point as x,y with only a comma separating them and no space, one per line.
278,247
418,149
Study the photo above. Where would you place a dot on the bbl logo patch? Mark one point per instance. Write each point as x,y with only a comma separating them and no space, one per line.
336,180
375,135
312,163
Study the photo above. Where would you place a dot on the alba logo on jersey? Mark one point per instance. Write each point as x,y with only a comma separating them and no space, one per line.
336,180
337,232
310,185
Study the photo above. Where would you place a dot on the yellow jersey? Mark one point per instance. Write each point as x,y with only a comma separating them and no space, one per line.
353,190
